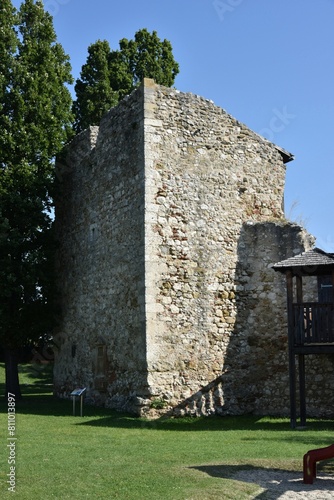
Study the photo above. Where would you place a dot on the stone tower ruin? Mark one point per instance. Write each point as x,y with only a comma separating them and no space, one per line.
169,216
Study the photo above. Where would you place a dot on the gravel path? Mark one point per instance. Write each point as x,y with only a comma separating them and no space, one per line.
281,485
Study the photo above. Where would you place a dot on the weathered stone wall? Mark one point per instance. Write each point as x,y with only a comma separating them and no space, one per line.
100,221
169,217
260,335
209,175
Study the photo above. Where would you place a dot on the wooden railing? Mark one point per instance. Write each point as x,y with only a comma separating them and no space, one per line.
313,323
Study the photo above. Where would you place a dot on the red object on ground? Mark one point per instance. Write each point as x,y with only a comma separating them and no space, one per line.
310,462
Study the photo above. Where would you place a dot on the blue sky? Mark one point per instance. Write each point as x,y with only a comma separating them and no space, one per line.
268,63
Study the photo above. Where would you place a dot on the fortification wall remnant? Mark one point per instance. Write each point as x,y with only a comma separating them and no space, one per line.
169,216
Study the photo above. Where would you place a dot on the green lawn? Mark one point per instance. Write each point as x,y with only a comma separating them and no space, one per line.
109,455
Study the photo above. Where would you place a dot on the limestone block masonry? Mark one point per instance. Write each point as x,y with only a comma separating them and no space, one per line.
169,215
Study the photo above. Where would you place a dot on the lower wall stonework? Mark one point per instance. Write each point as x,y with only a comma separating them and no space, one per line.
243,366
249,373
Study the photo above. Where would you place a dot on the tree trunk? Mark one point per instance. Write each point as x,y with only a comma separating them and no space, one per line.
12,373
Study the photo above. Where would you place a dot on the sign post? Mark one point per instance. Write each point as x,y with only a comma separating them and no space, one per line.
78,393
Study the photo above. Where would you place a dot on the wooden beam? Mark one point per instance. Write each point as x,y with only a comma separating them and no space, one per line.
315,349
292,362
299,288
289,288
302,393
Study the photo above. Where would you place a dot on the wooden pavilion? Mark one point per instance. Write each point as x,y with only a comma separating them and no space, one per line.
310,324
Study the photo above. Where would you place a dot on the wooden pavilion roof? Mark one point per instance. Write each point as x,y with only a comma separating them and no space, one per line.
312,262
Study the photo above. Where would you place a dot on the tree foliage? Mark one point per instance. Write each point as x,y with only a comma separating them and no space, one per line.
108,75
35,119
94,92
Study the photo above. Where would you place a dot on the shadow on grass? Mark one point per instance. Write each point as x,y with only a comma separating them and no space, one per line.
36,382
37,405
34,379
47,404
38,400
239,423
273,482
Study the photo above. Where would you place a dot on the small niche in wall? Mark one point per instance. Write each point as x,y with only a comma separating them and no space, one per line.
93,233
101,359
101,366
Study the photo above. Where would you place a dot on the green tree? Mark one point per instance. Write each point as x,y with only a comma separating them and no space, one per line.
150,57
108,75
36,119
93,90
8,47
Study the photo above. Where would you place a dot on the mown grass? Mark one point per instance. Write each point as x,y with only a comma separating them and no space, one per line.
109,455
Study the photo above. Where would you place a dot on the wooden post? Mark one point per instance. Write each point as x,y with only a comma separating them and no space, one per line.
299,288
302,393
81,404
292,363
331,332
301,359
